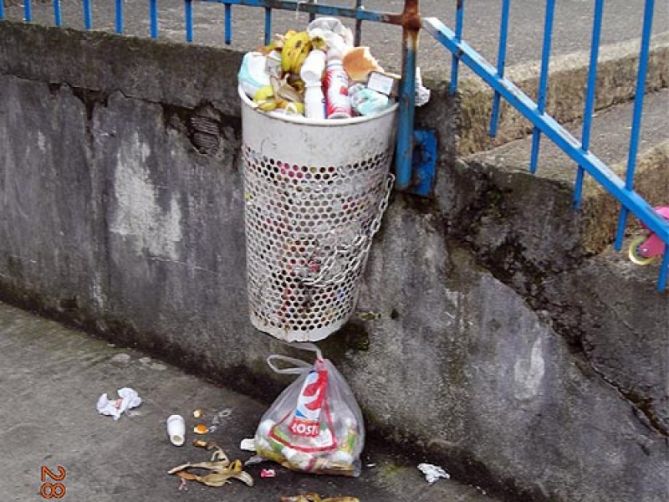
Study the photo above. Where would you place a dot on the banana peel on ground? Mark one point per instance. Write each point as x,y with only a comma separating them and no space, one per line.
315,497
222,470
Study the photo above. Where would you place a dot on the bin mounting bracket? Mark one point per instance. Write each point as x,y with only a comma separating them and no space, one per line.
423,162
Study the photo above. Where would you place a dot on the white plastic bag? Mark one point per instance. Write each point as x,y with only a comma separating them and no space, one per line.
315,425
252,75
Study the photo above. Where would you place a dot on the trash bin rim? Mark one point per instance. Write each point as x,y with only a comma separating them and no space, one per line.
246,101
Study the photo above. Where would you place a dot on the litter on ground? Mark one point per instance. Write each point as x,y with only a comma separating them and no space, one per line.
220,467
248,444
128,399
315,497
433,472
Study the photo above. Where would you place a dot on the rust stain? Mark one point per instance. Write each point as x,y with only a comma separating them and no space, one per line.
409,18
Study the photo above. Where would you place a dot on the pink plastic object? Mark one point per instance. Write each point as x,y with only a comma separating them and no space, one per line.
268,473
644,250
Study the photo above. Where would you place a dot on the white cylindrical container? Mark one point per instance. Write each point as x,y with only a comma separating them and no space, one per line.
311,187
314,101
176,430
313,67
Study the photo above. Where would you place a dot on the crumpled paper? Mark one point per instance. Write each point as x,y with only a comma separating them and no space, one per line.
433,472
128,399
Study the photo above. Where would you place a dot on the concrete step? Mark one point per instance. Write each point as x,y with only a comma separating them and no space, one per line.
536,211
51,379
608,310
524,230
463,124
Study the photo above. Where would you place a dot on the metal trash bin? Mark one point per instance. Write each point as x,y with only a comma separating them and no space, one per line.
315,193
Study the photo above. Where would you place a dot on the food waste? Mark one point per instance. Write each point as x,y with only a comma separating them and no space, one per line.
318,74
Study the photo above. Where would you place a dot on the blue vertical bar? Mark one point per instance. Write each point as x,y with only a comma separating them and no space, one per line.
543,80
188,14
2,10
312,16
590,96
268,25
153,15
407,98
358,24
455,60
228,24
57,16
664,270
27,11
88,15
119,16
636,117
501,61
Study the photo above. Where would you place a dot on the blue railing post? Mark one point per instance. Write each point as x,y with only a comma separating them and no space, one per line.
501,61
664,270
188,15
312,16
228,24
119,16
358,24
153,16
455,61
27,11
268,25
636,116
407,99
57,17
543,81
590,96
88,15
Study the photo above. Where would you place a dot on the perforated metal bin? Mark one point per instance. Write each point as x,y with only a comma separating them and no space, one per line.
314,192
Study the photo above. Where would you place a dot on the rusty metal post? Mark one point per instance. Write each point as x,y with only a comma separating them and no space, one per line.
411,24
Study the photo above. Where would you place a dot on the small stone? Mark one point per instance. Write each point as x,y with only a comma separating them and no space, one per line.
120,359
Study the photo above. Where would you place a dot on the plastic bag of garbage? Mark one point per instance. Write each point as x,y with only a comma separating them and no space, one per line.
252,75
315,425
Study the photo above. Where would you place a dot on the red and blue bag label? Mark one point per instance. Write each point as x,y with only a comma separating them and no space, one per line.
306,421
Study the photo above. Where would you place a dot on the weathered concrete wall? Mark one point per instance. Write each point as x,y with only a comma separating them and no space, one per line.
121,211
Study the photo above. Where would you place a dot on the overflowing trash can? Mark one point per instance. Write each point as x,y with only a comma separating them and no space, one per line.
315,192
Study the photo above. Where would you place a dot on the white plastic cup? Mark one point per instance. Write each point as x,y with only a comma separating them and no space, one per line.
313,67
176,430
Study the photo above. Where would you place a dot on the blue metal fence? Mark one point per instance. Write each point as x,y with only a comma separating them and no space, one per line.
622,190
543,124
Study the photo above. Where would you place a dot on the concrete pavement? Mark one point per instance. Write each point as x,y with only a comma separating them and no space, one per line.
50,379
572,25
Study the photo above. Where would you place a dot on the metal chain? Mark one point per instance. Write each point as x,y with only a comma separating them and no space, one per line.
354,254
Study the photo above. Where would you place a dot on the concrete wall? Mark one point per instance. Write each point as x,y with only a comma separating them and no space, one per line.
121,211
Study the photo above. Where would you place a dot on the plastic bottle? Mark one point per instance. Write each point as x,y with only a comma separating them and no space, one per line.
338,104
314,101
313,67
312,76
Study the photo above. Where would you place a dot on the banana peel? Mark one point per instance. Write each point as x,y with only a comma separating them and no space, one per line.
296,48
280,95
315,497
222,470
